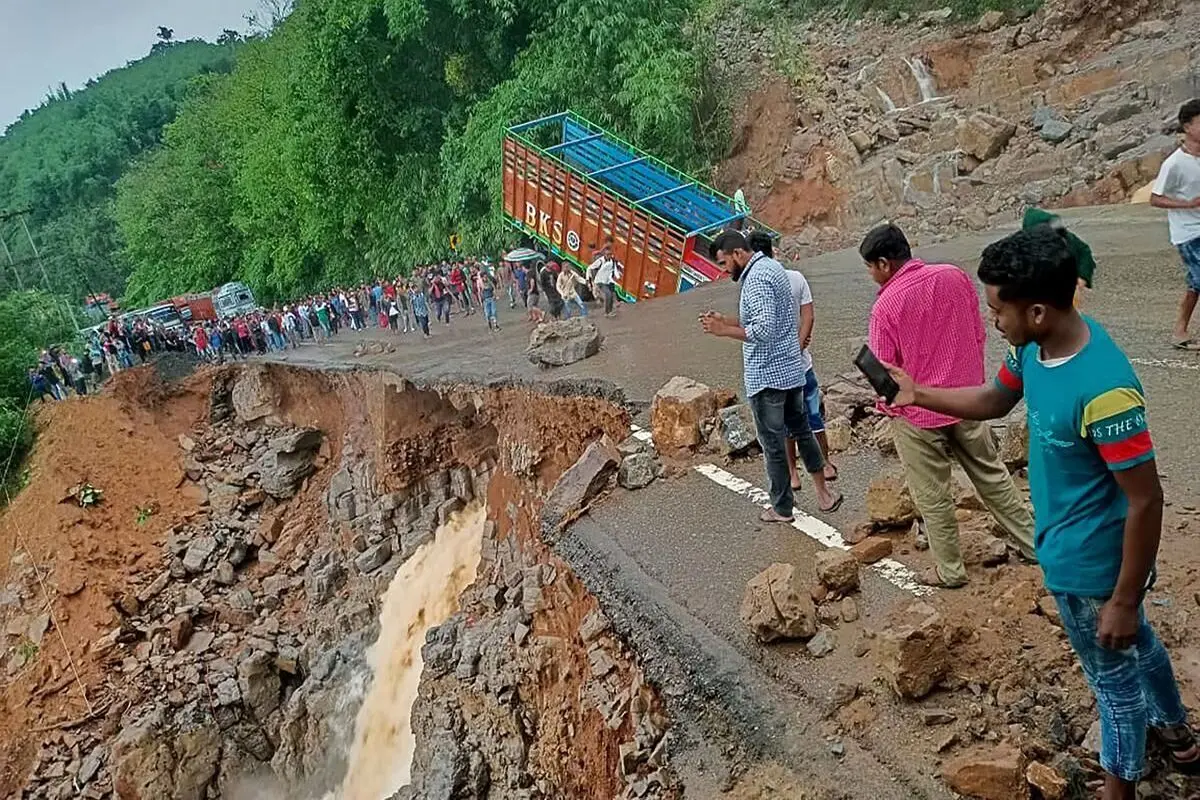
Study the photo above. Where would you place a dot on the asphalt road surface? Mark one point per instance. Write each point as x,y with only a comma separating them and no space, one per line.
669,563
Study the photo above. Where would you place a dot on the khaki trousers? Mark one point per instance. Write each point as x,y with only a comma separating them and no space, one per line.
925,454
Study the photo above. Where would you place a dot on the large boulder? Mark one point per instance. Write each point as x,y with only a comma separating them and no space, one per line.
984,136
777,605
677,411
259,683
912,652
996,773
889,503
580,483
288,461
254,396
562,342
149,762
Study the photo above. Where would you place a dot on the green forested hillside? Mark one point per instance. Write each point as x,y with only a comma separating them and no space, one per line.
62,160
361,133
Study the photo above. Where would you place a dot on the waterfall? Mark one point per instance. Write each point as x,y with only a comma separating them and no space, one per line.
423,593
888,104
925,82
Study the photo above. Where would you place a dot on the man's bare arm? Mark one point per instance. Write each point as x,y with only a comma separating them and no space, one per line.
976,402
1162,201
807,318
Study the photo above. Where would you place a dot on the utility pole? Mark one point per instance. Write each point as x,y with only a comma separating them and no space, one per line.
8,255
45,277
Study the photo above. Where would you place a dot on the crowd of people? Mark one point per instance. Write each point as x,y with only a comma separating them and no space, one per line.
431,295
1095,515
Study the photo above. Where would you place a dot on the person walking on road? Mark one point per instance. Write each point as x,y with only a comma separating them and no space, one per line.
602,274
568,286
774,378
1177,189
1096,492
926,320
420,307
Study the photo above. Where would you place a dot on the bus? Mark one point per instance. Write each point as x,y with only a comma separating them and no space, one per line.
233,299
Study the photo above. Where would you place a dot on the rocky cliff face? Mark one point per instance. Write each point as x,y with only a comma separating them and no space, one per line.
235,659
945,127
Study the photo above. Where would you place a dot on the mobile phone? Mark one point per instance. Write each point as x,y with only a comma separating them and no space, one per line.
877,375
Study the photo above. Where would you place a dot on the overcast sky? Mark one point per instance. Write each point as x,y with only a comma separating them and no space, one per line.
43,42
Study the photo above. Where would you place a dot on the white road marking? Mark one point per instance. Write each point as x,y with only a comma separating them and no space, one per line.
1168,363
820,531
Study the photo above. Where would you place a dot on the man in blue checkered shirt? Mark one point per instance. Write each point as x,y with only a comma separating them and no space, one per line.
766,327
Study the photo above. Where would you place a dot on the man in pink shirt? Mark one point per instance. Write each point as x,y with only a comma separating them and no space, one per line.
926,320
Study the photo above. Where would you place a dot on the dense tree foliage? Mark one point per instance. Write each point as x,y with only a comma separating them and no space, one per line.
61,162
360,133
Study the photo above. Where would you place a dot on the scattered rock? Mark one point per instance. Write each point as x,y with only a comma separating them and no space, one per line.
179,631
287,461
849,609
824,643
937,716
1049,609
259,684
862,141
990,21
837,570
580,483
198,552
838,432
994,774
1055,131
889,503
374,557
777,605
1092,739
637,471
872,549
984,136
1014,448
1047,781
734,432
912,652
562,342
224,574
995,551
677,411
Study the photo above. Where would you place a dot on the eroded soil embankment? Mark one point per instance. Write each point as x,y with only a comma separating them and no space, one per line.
203,630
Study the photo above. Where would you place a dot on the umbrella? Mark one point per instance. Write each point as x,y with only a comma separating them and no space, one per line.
524,254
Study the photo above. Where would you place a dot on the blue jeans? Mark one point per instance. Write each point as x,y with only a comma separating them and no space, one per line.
812,402
1134,688
489,309
1190,253
575,303
778,414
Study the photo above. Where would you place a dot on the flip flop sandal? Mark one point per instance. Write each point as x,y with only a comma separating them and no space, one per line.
833,506
835,475
770,515
1182,749
1189,345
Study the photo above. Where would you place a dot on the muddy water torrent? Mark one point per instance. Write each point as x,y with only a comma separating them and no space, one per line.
423,593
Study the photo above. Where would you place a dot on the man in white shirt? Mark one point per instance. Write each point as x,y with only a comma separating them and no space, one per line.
1177,189
802,295
601,274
